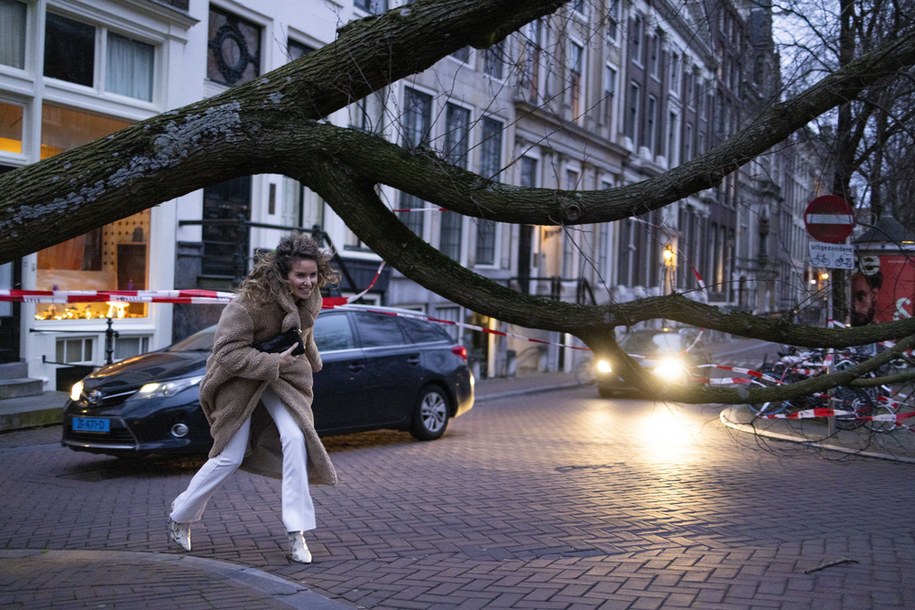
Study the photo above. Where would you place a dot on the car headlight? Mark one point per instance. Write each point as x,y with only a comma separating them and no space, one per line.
164,389
671,370
76,391
603,367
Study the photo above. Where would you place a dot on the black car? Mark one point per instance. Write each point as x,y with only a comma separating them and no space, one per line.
671,355
380,371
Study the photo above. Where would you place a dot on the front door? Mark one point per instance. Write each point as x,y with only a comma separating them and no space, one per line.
9,313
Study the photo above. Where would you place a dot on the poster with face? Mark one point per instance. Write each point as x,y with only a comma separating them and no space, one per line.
882,288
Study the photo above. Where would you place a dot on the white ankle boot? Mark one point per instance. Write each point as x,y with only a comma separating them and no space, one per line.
298,550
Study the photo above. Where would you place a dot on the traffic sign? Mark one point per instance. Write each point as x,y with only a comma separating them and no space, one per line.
829,219
831,256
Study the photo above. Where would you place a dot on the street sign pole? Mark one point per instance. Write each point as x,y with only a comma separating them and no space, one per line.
830,219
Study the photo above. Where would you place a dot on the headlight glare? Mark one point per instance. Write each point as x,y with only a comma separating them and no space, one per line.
672,370
76,391
602,367
164,389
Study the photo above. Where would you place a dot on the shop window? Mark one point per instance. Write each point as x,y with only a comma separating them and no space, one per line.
12,33
10,128
112,257
234,49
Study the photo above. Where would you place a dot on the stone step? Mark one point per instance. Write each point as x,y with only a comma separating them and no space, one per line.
20,387
14,370
45,409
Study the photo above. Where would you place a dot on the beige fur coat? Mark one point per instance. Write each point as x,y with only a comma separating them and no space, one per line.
237,375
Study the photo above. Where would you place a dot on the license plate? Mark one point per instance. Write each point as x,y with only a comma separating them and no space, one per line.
91,424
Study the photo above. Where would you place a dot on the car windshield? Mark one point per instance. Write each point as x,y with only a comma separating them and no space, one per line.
650,342
201,341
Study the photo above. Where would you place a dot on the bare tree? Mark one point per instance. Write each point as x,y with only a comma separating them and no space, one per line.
274,125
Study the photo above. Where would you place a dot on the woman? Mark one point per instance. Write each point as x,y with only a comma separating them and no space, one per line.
258,404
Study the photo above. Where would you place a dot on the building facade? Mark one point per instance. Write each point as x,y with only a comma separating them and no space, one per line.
601,94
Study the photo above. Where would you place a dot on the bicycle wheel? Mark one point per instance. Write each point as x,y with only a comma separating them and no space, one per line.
856,402
882,426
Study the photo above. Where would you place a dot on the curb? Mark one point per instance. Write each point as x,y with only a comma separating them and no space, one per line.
279,589
731,418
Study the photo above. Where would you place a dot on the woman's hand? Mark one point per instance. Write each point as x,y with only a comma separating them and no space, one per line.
287,359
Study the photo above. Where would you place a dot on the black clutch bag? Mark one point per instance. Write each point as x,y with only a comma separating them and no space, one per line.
282,342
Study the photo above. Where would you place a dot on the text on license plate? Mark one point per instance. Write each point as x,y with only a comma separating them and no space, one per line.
91,424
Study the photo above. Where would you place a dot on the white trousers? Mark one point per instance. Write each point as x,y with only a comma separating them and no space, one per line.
298,508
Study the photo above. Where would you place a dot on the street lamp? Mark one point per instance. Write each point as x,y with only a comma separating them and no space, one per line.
670,263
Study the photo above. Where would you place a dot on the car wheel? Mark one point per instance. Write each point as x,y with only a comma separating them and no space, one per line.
430,415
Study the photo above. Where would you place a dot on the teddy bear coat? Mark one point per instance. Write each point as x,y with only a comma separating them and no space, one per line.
237,374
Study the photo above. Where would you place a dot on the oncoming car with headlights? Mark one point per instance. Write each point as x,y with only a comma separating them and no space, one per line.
670,355
380,371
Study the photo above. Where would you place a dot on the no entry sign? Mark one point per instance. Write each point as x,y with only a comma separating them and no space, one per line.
829,219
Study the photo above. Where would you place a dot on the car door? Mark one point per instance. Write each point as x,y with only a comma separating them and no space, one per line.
394,365
339,389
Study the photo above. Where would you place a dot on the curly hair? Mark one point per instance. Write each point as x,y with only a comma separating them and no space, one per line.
267,281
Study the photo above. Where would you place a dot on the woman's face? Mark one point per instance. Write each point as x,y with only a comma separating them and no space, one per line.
302,278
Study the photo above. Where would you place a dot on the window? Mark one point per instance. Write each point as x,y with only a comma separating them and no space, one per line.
493,60
613,21
451,314
490,167
673,134
69,55
651,124
422,332
413,220
632,115
372,7
417,118
568,243
576,61
603,252
11,117
112,257
417,123
368,113
333,332
580,6
457,135
534,44
126,347
296,50
609,92
234,49
379,330
130,67
688,144
462,55
12,33
528,172
69,50
675,73
75,350
654,60
635,36
457,147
